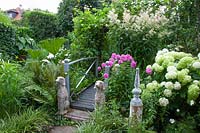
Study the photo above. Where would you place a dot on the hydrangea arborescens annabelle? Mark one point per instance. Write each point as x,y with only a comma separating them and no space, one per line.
177,70
163,101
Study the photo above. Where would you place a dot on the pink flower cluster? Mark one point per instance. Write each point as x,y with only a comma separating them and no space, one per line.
118,59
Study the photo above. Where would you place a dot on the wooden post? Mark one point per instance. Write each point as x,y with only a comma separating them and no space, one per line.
66,70
136,105
107,70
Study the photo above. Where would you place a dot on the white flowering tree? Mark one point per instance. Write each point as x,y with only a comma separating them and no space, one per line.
171,92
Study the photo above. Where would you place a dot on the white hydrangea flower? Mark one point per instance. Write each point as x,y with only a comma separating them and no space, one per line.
171,75
50,56
196,65
163,101
162,83
171,68
149,66
171,121
177,86
157,67
191,102
167,92
198,55
196,82
169,85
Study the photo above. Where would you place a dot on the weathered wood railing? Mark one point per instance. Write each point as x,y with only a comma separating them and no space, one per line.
67,66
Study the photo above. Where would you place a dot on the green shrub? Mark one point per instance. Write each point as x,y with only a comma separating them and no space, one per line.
4,18
171,94
88,37
7,40
105,120
120,80
43,24
12,84
65,16
27,121
140,35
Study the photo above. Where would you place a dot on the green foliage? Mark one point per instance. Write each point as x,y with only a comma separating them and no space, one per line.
104,120
65,15
4,18
11,90
174,93
43,24
28,121
52,45
88,37
7,40
120,87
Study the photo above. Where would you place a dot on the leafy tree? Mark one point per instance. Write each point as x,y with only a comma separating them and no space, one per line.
65,15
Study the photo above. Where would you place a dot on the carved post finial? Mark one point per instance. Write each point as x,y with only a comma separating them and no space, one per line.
136,105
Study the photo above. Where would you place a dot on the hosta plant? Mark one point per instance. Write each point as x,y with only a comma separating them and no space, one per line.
171,91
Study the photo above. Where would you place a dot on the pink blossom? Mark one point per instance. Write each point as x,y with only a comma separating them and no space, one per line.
114,55
106,75
99,68
120,62
112,59
123,57
110,63
103,65
133,64
118,57
149,71
129,57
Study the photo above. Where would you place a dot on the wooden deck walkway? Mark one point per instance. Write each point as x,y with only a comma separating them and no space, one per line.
85,100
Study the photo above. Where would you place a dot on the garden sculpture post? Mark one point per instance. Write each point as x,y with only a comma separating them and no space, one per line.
136,105
66,70
62,96
99,95
107,70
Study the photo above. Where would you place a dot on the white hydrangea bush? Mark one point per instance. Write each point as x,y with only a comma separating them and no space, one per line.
173,71
172,90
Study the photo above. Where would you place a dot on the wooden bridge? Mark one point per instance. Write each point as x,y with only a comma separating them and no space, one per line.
85,99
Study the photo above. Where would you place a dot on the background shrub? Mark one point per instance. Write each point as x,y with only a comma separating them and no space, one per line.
43,24
7,39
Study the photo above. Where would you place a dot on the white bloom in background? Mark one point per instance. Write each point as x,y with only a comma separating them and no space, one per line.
45,61
171,75
177,86
196,82
113,17
169,85
149,66
171,68
177,110
50,56
196,64
191,102
126,16
167,92
171,121
198,56
165,50
162,83
163,101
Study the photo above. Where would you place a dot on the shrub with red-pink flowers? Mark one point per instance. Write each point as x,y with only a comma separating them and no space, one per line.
116,60
120,78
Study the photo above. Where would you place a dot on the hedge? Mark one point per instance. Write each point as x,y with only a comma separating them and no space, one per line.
7,39
43,24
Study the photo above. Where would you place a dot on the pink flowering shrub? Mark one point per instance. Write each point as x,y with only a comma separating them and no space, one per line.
120,79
